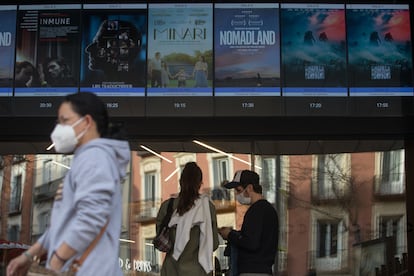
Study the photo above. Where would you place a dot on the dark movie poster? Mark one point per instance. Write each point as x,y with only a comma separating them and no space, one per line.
180,56
379,50
247,50
47,50
7,46
313,50
114,49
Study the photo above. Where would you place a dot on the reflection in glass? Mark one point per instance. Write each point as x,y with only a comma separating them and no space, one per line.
330,205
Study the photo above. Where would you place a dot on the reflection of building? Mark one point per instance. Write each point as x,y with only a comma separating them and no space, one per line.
49,174
16,183
28,184
156,180
340,200
328,204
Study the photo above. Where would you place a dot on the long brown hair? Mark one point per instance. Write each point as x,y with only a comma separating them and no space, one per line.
190,183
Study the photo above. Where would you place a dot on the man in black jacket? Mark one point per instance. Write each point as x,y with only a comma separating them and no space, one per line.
257,240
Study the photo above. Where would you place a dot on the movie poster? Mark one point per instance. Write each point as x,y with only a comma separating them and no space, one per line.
47,50
114,49
379,50
313,50
180,57
7,46
247,50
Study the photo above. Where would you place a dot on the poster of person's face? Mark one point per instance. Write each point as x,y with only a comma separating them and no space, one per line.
47,50
7,47
379,50
180,56
247,50
114,49
313,50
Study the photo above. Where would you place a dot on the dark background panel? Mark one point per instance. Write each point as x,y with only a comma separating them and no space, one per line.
179,107
125,106
380,106
248,106
36,106
316,106
5,106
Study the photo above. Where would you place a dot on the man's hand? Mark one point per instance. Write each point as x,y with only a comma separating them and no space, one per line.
224,232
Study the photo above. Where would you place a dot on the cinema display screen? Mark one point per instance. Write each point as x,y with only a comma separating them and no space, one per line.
180,54
7,47
379,50
114,49
47,50
246,50
209,59
313,50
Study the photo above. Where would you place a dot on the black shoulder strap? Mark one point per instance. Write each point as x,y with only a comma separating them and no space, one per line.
167,217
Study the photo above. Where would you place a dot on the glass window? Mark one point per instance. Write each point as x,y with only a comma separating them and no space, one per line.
271,176
44,218
47,171
390,179
16,194
321,232
66,161
151,255
327,239
150,186
13,233
332,176
393,226
220,171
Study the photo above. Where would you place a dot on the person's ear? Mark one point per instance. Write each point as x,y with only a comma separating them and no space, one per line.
89,120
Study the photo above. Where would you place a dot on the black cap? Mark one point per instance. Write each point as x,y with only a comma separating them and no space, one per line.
243,178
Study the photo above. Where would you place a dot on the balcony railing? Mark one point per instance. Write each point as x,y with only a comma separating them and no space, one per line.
329,192
47,191
145,210
334,263
389,184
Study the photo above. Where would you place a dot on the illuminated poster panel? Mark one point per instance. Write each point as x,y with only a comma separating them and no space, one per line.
47,50
114,49
313,50
379,50
247,50
180,57
7,47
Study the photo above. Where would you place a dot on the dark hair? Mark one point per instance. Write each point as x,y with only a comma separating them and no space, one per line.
86,103
65,73
35,74
190,182
257,188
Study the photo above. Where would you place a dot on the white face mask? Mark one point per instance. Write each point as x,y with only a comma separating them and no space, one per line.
64,137
245,200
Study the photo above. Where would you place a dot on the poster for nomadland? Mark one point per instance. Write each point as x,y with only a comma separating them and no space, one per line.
114,49
180,56
247,50
7,46
379,50
47,50
313,50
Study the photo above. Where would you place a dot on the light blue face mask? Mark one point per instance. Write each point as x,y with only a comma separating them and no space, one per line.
245,200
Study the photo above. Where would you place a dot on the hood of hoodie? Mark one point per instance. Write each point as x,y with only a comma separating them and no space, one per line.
119,151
